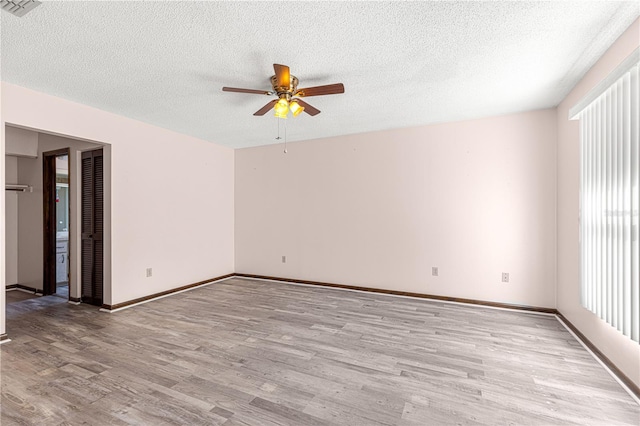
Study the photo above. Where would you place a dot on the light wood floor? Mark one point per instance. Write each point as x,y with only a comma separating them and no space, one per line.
245,352
13,296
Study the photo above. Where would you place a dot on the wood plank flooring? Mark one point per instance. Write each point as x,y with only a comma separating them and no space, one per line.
245,352
13,296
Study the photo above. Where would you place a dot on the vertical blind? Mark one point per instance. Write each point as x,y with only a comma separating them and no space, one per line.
610,188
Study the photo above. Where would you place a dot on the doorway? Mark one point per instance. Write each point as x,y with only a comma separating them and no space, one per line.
55,190
56,181
28,153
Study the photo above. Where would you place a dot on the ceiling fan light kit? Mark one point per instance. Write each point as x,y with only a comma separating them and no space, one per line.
281,108
285,87
295,107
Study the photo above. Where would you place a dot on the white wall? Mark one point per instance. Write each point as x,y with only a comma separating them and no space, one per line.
11,222
474,198
30,223
21,142
621,350
3,310
172,195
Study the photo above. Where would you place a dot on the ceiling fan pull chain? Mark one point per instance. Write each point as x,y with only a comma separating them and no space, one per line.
285,137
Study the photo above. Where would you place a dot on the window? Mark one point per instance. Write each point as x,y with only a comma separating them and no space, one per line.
610,157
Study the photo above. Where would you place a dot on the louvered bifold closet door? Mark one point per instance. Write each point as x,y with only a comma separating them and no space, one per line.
609,205
92,227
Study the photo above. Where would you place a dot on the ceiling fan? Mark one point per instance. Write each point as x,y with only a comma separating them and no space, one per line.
285,87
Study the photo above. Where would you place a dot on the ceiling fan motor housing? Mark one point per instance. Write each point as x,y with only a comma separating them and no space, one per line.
284,91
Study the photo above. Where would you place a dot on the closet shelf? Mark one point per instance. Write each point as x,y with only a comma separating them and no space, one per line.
18,187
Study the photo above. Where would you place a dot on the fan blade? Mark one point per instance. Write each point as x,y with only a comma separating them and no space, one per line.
282,75
266,108
329,89
235,89
311,110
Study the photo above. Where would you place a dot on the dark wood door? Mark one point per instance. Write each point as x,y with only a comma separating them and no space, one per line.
92,250
49,216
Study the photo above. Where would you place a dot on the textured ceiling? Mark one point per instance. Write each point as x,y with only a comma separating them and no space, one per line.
402,63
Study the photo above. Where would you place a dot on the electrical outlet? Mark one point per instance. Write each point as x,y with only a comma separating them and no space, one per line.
284,259
505,277
149,272
434,271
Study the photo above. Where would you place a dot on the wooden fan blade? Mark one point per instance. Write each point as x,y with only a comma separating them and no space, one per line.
282,75
311,110
329,89
266,108
235,89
